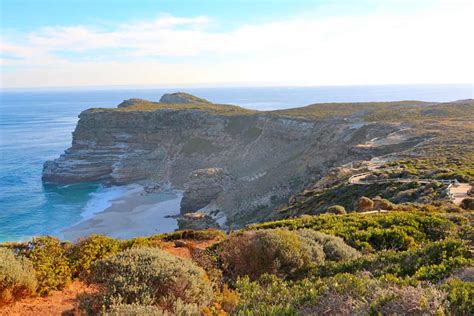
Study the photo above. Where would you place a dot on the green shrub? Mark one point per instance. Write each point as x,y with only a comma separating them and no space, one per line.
366,231
140,242
393,238
147,276
343,294
408,300
334,247
270,295
336,209
135,309
90,249
17,277
206,234
278,251
50,263
460,296
179,309
434,262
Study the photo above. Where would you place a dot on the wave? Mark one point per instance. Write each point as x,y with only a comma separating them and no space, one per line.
102,199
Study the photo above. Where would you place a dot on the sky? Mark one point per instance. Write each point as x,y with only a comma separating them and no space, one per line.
82,43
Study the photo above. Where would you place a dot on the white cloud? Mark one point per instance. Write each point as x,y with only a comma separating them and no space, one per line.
431,46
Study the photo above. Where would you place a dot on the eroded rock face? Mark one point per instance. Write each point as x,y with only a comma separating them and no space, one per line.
267,157
203,187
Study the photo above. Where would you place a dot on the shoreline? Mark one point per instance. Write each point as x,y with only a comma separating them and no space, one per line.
134,213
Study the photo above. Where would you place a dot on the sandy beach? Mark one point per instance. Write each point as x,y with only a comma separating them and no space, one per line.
133,214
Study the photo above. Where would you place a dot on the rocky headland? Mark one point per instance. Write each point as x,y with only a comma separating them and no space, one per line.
234,165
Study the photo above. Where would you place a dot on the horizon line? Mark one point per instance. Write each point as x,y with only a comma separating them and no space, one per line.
212,86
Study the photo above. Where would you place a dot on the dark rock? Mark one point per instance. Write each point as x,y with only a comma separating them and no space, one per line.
203,187
197,221
152,188
180,244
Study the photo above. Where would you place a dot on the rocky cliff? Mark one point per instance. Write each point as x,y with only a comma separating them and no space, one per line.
232,163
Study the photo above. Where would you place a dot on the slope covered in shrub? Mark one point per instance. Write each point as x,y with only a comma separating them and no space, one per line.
371,232
278,251
411,262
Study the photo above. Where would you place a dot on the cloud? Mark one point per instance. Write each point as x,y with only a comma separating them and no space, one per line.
430,46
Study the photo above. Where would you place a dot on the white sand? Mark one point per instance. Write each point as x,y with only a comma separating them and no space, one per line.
133,214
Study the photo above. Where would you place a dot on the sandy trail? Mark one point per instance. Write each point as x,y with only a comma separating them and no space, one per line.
459,192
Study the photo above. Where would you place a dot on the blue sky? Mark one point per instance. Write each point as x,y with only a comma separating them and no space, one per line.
49,43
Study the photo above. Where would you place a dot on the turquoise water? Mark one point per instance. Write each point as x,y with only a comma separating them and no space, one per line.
36,126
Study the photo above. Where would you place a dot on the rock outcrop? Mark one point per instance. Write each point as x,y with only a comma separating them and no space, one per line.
203,187
181,98
268,156
131,102
196,221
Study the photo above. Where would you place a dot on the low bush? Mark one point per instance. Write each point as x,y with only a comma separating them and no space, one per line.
434,262
336,209
50,263
17,277
334,247
343,294
140,242
409,300
460,296
364,204
90,249
370,232
383,204
207,234
278,251
179,308
135,309
147,276
467,204
270,295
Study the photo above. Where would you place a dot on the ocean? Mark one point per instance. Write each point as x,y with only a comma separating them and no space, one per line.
36,126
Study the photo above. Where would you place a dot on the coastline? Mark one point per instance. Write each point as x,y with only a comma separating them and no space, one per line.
134,213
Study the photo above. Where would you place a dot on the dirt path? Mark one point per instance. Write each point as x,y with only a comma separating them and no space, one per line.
459,192
65,303
185,252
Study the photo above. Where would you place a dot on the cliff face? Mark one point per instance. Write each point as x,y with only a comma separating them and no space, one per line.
265,157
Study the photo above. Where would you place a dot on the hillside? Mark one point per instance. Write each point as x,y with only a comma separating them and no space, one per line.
349,214
411,262
238,165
